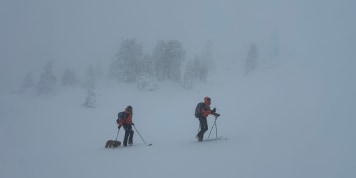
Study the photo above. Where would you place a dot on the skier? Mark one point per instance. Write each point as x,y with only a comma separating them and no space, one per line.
125,120
202,111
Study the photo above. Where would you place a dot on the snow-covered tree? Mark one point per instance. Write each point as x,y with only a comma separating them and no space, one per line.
188,79
89,80
125,67
252,59
147,66
27,82
47,80
90,99
207,55
168,57
89,84
147,83
147,79
196,70
69,78
202,67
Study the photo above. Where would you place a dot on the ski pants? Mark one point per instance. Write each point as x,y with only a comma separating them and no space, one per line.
203,127
128,134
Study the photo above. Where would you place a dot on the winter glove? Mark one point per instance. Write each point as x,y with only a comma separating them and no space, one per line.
119,127
217,115
214,110
132,124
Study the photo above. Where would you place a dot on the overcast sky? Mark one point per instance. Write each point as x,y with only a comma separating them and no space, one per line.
75,33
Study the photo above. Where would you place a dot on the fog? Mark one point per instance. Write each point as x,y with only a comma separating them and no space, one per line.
292,117
79,33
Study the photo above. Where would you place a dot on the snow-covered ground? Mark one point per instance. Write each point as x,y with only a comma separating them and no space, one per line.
293,119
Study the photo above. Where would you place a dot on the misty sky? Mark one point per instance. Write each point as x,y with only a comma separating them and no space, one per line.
76,33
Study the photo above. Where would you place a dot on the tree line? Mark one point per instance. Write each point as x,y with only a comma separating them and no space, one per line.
131,65
163,64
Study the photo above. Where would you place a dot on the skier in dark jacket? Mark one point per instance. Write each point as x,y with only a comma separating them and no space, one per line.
204,113
125,120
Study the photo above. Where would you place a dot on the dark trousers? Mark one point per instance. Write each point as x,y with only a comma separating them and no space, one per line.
128,135
203,128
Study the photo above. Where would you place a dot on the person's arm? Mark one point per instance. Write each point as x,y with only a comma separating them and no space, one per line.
205,113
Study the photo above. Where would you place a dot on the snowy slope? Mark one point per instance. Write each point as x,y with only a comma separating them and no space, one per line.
288,120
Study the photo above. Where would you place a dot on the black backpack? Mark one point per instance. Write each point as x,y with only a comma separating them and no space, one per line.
120,116
198,109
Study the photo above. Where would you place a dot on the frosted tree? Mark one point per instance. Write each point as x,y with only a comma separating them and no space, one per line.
47,80
146,79
202,67
196,70
89,80
160,63
147,66
27,82
125,67
69,78
89,84
252,59
168,60
189,75
207,55
90,99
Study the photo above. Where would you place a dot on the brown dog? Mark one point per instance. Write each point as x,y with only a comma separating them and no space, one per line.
112,143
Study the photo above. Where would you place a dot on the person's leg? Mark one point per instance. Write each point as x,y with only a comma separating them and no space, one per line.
131,137
127,133
203,128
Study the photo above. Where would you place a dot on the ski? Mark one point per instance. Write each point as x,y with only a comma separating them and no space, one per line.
136,145
217,138
150,144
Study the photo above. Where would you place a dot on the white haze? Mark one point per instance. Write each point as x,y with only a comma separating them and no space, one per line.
79,33
293,117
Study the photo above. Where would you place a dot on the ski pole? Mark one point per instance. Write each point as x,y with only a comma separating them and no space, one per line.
141,136
117,134
216,128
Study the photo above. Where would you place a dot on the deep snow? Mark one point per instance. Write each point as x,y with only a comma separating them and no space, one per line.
286,120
